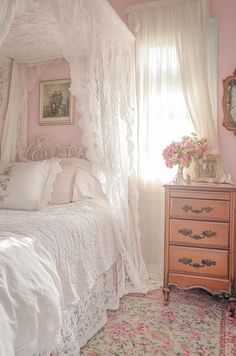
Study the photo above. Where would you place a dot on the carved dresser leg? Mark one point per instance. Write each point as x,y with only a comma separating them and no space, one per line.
166,293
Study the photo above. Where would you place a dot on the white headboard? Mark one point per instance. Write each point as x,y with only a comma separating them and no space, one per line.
46,147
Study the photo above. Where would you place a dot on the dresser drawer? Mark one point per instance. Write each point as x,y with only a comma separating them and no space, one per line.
199,233
199,209
214,285
198,261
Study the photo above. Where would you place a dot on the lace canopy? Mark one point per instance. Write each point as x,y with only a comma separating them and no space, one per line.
100,51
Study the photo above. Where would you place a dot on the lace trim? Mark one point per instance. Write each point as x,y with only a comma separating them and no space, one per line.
48,188
5,72
82,320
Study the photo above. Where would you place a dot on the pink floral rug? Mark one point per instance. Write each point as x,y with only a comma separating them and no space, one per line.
193,324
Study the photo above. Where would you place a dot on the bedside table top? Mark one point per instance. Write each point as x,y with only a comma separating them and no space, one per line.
202,186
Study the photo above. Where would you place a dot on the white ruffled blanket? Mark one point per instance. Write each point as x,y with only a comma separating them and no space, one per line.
80,245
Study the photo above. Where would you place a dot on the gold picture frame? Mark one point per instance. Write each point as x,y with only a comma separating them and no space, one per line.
229,102
208,170
55,103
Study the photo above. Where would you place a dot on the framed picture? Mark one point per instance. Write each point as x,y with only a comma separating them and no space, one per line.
229,103
208,170
55,103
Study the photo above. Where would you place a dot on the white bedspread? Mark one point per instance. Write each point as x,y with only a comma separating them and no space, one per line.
30,298
78,237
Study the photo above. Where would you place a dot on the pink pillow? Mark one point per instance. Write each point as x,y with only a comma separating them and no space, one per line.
63,185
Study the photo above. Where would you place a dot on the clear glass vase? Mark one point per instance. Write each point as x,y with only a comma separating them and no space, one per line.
180,176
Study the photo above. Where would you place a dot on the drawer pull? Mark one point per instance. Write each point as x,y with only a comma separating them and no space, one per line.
188,232
186,208
204,263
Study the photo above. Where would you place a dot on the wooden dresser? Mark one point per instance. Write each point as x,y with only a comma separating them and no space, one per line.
200,234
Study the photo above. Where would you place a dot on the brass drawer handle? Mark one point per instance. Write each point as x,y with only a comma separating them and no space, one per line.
188,232
186,208
204,263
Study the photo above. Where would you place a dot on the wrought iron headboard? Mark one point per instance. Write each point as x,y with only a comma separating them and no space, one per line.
46,147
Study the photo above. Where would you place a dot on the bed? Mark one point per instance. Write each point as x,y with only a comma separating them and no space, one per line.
75,246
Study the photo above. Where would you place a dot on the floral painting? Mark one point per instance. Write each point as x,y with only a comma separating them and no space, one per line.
55,103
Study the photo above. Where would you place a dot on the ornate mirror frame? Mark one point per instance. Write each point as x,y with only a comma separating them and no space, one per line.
229,102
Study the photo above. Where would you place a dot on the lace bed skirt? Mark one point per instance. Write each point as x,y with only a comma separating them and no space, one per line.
83,319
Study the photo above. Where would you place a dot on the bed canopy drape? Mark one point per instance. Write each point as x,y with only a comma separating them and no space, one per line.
100,51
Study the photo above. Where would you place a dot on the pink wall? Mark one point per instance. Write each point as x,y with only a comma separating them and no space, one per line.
64,133
226,11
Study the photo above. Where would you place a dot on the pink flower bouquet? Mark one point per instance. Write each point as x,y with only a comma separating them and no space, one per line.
184,152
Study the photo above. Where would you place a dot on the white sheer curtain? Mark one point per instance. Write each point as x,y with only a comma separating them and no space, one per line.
173,100
191,36
213,64
16,81
16,115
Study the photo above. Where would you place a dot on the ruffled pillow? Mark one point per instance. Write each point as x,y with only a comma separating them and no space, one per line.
54,170
63,185
27,185
86,183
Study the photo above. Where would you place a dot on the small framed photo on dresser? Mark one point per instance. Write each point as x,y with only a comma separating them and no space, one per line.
55,102
208,170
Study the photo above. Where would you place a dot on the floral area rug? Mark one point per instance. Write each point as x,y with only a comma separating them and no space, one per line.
194,323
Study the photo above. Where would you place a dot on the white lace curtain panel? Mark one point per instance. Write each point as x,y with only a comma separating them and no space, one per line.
102,74
100,52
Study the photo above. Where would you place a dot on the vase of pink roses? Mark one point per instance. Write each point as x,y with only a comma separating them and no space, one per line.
184,152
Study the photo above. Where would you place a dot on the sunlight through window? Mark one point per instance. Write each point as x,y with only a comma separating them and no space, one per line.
168,119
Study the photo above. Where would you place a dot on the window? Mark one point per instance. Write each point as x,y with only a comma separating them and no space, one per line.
167,119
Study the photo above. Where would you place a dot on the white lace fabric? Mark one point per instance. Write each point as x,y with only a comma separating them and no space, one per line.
82,320
78,236
102,78
32,35
80,240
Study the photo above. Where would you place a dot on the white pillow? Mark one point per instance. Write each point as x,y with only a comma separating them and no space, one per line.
27,185
54,170
63,185
86,183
